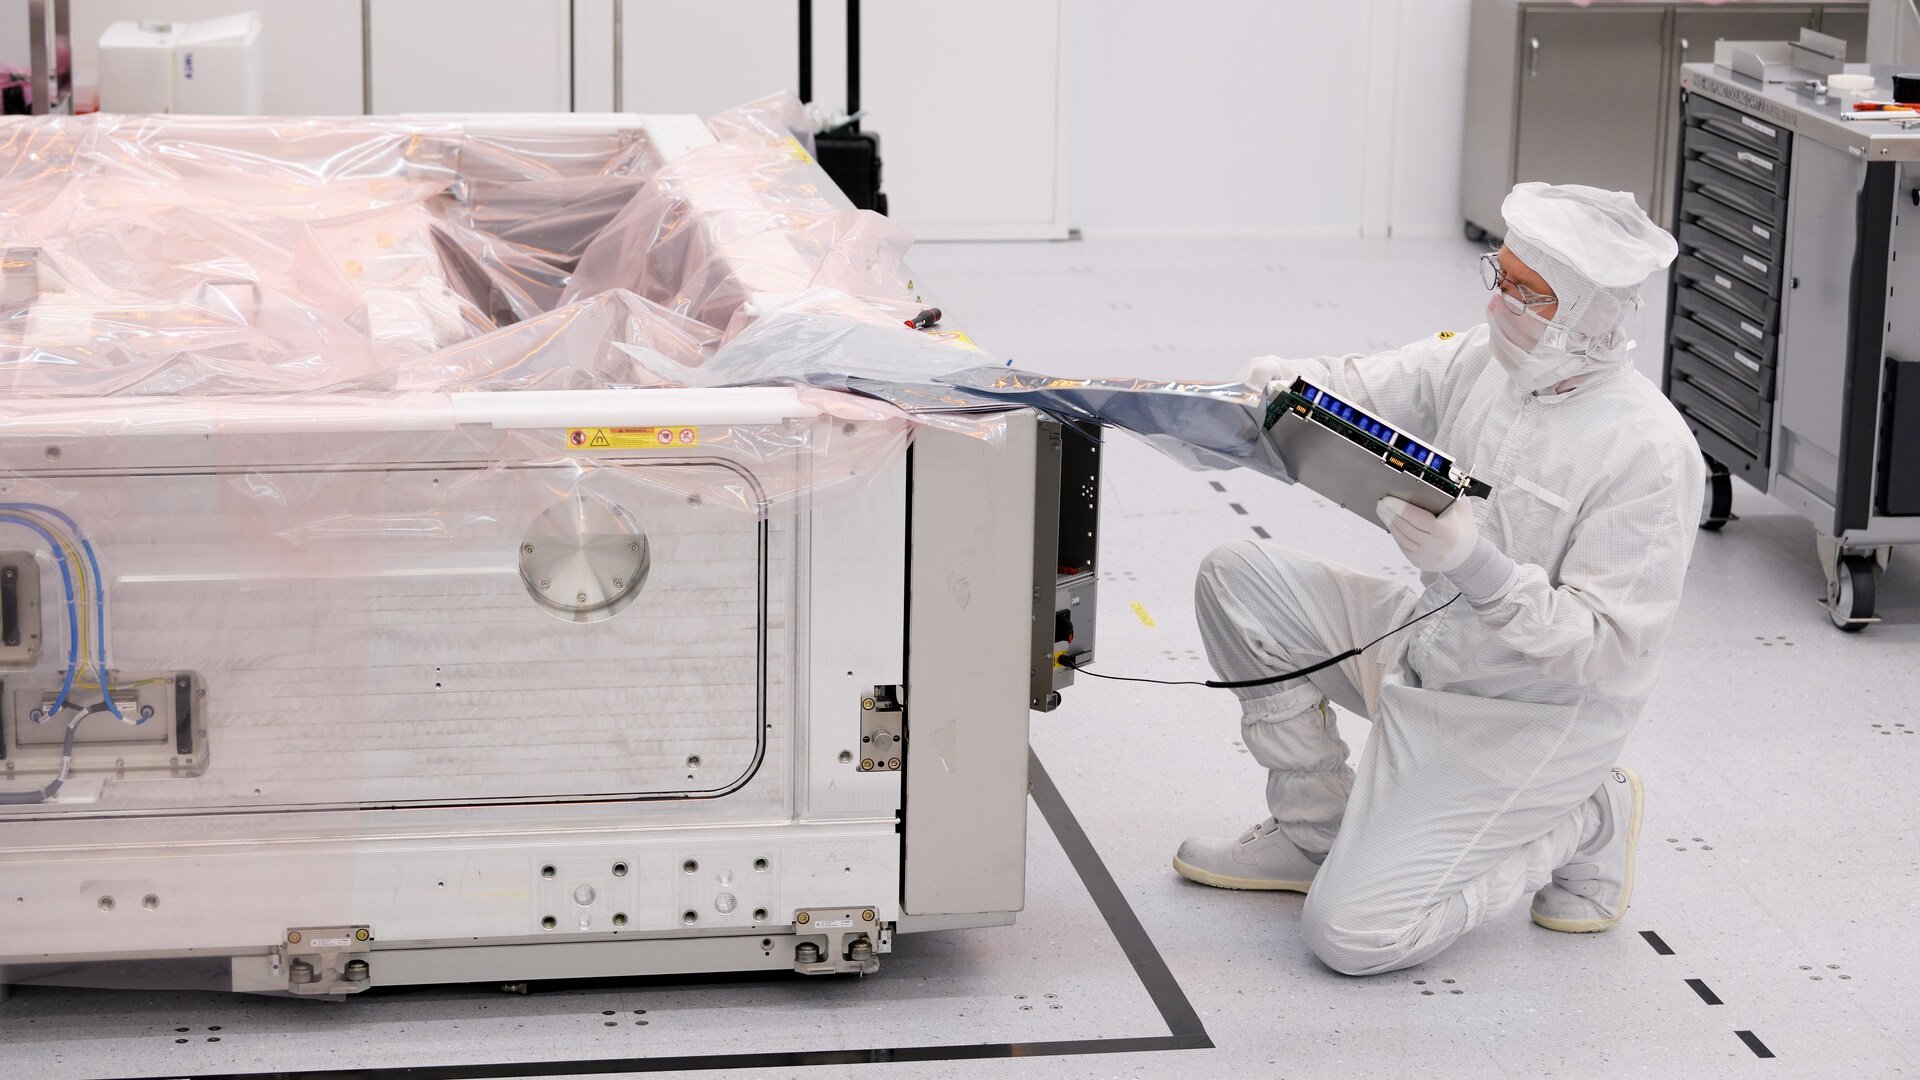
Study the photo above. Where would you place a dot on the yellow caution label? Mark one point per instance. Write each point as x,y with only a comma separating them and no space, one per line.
632,438
799,152
1446,335
1140,609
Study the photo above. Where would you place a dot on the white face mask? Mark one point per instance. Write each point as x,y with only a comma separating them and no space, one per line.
1517,341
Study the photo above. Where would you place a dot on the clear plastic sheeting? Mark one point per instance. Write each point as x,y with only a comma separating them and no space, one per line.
188,255
727,230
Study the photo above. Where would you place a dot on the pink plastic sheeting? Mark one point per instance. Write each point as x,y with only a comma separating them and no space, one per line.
386,259
727,228
184,255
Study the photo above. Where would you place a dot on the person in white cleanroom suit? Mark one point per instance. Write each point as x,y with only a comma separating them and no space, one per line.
1490,772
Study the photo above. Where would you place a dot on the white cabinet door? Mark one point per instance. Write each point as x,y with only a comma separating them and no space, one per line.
967,101
311,48
680,57
471,55
967,98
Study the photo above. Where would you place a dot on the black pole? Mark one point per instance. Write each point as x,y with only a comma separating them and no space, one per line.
806,50
853,61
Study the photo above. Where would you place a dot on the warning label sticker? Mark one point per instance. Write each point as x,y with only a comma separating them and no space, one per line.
632,438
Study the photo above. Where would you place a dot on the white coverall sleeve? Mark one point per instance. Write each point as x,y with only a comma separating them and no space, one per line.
1620,582
1407,387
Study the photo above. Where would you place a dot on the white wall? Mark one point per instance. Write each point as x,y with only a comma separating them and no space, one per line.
513,56
13,33
1247,117
1230,117
1430,122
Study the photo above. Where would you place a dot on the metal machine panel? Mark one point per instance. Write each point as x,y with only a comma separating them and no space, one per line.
1495,68
855,646
970,606
672,776
357,664
1899,466
1809,400
1900,440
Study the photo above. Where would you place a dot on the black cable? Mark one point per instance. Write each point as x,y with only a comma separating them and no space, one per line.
1242,684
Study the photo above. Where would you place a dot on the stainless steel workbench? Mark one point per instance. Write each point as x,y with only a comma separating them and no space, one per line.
1793,348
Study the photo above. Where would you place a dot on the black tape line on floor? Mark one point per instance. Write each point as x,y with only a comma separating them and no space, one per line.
1217,485
1238,509
1262,533
1659,946
1754,1044
1184,1028
1183,1023
1706,994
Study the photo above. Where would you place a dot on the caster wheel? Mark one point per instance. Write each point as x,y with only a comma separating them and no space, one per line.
1851,608
1718,507
1475,233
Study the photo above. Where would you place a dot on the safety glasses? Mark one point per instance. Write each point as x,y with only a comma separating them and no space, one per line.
1519,299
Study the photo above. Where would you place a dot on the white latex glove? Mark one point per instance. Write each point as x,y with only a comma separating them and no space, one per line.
1263,371
1433,543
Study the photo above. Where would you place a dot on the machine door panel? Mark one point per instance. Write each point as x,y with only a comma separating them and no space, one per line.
377,634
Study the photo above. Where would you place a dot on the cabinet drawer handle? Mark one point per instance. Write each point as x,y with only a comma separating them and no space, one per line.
1533,57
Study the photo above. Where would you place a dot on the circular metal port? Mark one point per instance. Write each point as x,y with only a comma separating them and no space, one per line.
584,559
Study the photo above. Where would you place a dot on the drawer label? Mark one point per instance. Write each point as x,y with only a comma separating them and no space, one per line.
1759,127
1763,234
1747,360
1752,330
1723,282
1755,263
1755,160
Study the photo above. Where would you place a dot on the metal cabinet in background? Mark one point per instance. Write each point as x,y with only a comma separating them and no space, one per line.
1591,80
1790,351
1571,94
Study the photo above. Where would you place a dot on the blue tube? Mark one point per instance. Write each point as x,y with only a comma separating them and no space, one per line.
73,613
99,594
